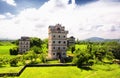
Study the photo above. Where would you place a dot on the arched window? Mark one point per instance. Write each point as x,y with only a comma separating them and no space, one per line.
58,29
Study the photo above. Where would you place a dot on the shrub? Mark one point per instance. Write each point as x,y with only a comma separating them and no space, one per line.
68,59
91,62
43,58
13,62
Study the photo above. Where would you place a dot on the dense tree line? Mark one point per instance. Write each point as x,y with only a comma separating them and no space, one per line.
34,41
97,52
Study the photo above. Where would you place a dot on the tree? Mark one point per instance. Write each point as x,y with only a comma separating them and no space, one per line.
35,42
114,47
36,49
32,55
1,62
72,49
13,51
45,46
100,54
43,58
81,58
45,41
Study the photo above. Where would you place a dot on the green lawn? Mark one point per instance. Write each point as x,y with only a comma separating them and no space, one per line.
53,61
4,50
10,69
98,71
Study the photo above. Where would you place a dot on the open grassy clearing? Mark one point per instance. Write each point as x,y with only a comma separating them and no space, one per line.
4,50
5,43
97,71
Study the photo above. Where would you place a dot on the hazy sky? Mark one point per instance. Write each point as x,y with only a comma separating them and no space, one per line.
82,18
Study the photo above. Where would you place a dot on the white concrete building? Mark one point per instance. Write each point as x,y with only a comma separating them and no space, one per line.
57,41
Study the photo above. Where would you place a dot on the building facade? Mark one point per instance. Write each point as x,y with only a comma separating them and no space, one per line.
71,41
24,44
57,41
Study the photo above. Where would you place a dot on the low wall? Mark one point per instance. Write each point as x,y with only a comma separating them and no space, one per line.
49,65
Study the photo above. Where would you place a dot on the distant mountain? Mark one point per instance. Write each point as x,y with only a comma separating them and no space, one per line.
94,39
98,39
6,39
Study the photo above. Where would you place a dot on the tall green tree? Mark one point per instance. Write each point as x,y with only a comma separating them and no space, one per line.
36,49
114,47
13,51
81,58
34,41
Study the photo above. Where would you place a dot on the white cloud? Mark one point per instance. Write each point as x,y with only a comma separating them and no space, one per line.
2,17
10,2
9,15
99,18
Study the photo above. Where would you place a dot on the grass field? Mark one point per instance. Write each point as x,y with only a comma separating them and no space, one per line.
97,71
10,69
4,50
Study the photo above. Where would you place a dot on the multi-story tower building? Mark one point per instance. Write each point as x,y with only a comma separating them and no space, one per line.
57,41
71,41
24,44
